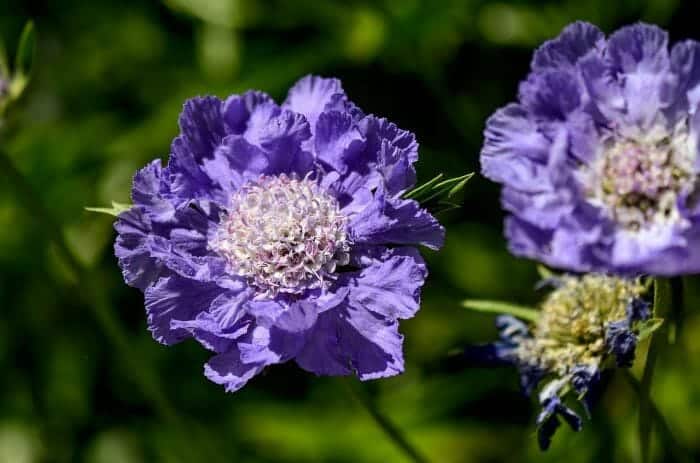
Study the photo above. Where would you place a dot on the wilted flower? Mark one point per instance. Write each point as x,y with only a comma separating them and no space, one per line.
584,323
599,156
279,232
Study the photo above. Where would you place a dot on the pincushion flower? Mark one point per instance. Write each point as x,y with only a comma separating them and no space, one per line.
585,325
598,158
279,232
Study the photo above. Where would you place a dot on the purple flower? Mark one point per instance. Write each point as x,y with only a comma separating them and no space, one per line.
599,157
279,232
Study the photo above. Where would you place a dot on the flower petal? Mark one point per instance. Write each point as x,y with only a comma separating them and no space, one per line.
514,151
563,52
396,221
390,286
353,340
139,268
310,96
229,370
176,298
237,110
337,139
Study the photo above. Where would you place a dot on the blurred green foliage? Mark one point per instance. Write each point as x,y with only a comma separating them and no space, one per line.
109,81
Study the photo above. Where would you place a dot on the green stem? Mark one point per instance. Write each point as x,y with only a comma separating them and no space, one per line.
662,305
92,291
389,428
680,454
676,309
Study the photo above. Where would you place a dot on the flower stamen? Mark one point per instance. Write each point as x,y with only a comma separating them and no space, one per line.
283,234
638,181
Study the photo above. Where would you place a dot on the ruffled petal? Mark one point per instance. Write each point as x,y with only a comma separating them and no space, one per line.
215,334
281,332
310,96
602,86
525,239
273,129
643,248
640,47
337,139
390,286
149,190
563,52
147,248
176,298
545,209
201,131
551,95
351,340
514,151
640,53
396,221
237,110
283,142
685,64
139,268
229,370
234,163
390,150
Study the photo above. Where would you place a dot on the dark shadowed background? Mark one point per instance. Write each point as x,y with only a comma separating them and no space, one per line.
81,380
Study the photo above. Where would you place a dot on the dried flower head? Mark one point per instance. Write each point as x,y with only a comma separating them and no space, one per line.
585,325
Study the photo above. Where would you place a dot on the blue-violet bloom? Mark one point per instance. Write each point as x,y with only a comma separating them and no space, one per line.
279,232
585,325
598,158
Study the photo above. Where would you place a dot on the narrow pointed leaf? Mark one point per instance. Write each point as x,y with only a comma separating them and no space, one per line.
25,51
454,180
417,191
4,65
459,186
444,206
444,189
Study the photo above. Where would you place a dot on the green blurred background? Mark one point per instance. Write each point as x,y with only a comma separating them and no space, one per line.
81,379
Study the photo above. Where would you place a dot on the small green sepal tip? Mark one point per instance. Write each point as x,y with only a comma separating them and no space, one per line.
115,210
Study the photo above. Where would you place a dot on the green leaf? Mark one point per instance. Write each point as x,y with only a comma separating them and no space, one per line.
25,49
115,210
23,60
647,327
458,183
435,192
417,191
526,313
444,206
4,66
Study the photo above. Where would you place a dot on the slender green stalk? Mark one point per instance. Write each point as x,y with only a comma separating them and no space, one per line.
677,309
497,307
667,300
93,292
389,428
680,453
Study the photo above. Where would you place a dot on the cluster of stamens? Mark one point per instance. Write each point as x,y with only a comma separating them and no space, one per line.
283,234
570,330
638,182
